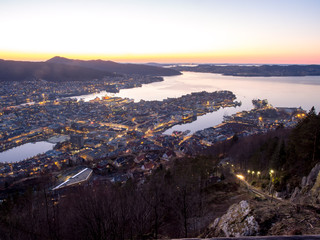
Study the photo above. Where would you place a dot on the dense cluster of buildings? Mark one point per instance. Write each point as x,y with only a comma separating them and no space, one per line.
109,134
117,137
16,93
262,118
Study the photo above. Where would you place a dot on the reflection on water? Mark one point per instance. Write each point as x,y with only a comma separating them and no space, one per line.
205,121
25,151
280,92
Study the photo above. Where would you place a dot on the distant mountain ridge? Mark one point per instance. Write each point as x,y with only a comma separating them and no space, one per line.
255,71
64,69
126,68
21,70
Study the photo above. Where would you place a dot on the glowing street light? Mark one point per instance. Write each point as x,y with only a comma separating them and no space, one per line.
240,177
258,174
248,171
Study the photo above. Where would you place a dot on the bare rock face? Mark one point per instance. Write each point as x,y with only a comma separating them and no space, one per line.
304,182
310,188
313,175
295,194
238,221
315,190
264,218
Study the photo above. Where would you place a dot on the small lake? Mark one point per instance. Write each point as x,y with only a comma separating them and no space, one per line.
25,151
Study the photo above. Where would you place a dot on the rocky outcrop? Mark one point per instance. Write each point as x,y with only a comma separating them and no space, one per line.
295,194
309,190
264,218
313,175
304,182
238,221
315,190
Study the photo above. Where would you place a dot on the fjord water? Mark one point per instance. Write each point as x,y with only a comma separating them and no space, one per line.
280,92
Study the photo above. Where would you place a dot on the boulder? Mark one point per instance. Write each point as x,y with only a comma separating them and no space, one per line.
238,221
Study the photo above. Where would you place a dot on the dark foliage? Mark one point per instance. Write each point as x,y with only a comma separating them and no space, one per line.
291,153
304,145
171,203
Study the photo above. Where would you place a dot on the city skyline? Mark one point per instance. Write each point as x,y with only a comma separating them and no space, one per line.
166,32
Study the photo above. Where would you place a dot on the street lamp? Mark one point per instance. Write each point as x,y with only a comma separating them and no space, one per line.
240,177
271,186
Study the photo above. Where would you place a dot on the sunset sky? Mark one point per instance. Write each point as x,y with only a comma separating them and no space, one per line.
211,31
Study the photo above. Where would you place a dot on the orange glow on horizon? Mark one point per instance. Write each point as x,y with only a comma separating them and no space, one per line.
137,31
226,57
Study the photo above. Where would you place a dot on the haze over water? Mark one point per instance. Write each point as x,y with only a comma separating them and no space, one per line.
280,92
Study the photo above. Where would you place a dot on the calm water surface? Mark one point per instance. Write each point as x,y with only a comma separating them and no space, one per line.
25,151
280,92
